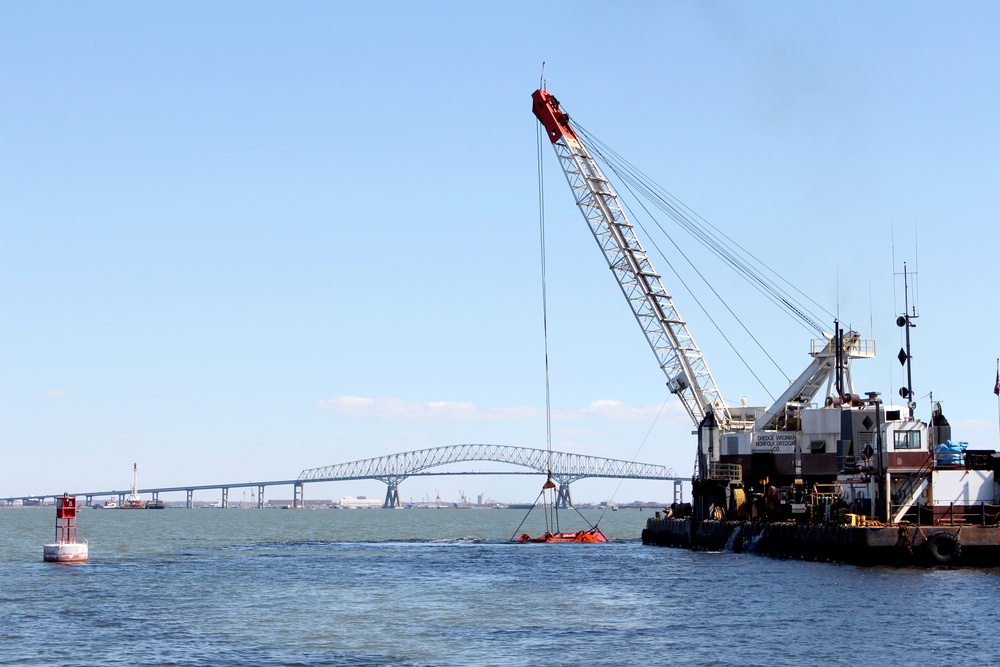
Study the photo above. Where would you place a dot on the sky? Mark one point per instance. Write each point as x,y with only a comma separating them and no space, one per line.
243,239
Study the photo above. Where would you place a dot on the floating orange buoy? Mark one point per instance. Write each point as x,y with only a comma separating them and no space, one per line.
66,549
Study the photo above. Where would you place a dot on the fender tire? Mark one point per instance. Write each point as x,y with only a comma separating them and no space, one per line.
942,549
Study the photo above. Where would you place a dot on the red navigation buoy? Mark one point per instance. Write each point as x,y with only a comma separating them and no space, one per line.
66,549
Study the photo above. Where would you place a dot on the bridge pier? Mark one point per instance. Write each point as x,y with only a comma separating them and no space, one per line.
391,496
190,499
678,491
225,497
298,499
260,497
563,499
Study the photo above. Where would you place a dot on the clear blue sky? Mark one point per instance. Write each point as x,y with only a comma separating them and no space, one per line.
241,239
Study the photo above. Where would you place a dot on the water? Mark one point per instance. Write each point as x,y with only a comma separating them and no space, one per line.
191,588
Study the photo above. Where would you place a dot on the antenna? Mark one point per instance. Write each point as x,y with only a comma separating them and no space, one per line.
541,79
871,310
892,244
916,270
838,295
904,321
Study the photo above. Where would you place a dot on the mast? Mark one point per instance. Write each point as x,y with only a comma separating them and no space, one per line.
688,375
905,322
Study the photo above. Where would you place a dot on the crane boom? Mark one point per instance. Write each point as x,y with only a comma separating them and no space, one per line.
680,359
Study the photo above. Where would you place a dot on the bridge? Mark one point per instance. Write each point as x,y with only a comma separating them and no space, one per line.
393,469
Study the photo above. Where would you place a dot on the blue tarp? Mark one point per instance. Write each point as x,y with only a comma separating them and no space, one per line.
950,453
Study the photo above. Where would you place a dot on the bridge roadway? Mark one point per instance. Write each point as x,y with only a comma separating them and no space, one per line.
392,469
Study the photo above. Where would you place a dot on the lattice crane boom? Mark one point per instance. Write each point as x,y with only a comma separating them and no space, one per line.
688,375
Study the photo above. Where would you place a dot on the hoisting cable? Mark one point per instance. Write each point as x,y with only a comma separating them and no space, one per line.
677,274
545,305
525,518
551,522
704,310
634,457
545,333
703,231
712,243
716,241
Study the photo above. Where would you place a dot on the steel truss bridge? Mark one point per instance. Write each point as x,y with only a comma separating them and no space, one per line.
392,469
565,467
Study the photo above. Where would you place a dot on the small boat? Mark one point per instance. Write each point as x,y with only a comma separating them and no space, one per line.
155,504
592,535
110,505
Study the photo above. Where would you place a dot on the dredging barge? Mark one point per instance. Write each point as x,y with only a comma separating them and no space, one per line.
912,497
846,478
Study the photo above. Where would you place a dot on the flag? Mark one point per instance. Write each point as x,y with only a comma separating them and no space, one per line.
996,387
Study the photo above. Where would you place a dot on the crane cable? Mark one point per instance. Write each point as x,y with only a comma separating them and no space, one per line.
698,301
634,457
704,310
712,238
690,292
551,512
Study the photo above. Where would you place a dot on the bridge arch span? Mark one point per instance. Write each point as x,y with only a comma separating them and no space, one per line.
565,467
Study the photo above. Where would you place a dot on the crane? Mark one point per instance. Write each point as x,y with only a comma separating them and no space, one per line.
679,357
728,439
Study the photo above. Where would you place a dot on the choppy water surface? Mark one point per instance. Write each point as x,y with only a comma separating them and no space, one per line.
443,587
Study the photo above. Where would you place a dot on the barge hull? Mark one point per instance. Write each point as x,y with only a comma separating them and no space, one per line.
858,545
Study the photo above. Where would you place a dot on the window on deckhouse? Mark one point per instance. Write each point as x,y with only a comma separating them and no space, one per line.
907,440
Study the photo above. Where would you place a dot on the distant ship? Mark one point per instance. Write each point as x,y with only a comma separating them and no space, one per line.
134,502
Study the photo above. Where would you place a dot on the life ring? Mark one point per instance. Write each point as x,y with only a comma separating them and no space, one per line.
943,549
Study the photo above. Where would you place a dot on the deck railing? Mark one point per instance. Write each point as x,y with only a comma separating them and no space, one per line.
976,514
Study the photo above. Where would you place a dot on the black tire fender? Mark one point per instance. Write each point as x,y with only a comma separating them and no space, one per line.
943,549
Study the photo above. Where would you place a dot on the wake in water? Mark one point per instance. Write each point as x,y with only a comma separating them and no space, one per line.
731,542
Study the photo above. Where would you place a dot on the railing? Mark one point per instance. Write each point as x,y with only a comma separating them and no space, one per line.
976,514
910,485
825,494
862,348
730,471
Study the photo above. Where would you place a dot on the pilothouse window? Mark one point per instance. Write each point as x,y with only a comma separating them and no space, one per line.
907,440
